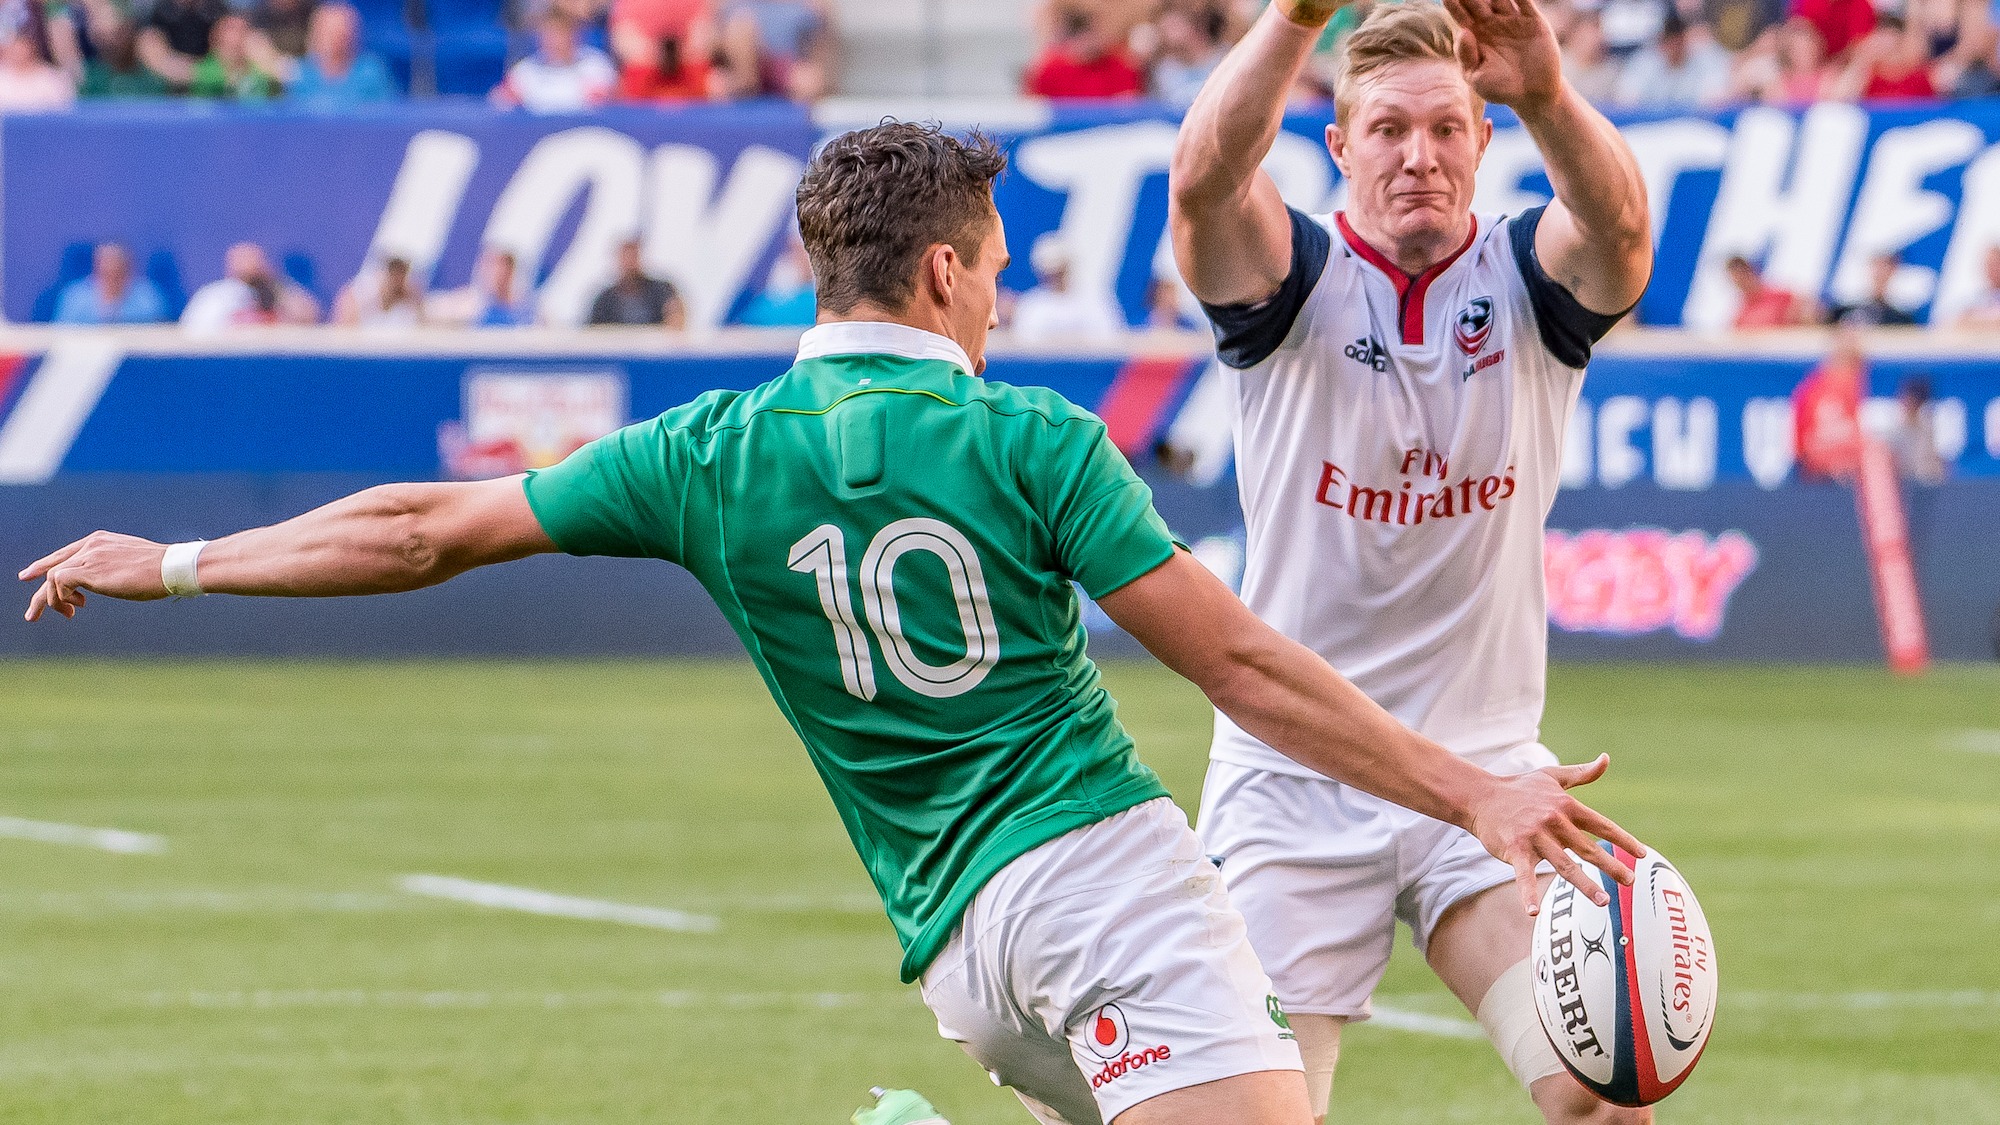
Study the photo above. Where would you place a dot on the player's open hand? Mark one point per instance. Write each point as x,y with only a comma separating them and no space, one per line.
1529,818
1509,51
118,566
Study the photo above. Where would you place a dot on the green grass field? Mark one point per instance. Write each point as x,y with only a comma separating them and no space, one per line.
1842,829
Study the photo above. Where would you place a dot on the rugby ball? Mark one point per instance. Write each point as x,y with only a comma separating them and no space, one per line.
1626,992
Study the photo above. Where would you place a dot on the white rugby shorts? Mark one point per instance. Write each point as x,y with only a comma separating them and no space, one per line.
1323,871
1107,967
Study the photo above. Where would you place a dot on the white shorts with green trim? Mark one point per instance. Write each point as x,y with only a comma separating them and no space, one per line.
1323,872
1107,967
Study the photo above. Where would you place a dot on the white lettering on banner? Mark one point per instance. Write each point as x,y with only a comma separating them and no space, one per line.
1684,444
601,164
1618,460
1510,158
1576,447
1759,207
1665,149
1102,170
1895,209
1964,275
429,186
1637,581
1767,440
1948,428
708,242
1993,428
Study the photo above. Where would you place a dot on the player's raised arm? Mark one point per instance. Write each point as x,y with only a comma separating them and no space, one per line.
1285,695
1232,237
1596,238
382,540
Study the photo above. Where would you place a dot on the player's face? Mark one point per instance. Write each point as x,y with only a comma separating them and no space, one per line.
1410,151
975,303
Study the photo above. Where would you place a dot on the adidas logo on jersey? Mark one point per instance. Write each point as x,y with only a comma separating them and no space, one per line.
1369,352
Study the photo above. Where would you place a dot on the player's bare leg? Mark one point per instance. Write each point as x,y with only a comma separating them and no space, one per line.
1482,939
1319,1047
1266,1097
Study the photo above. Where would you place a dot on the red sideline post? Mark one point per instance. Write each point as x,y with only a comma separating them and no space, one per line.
1885,533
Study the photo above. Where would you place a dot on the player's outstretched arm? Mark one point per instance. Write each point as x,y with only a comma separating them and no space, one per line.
379,541
1285,695
1596,238
1232,237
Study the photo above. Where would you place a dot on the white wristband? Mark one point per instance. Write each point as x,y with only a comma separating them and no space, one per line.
177,569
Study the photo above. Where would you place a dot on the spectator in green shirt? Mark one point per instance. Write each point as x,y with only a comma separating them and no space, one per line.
227,72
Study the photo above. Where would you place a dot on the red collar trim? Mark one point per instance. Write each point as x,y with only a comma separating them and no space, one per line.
1410,291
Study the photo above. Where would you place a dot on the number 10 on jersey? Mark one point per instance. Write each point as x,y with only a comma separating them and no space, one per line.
823,554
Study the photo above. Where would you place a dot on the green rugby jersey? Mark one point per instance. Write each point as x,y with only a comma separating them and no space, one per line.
894,541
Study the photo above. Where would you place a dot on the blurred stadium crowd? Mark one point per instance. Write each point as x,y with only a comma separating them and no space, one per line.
557,55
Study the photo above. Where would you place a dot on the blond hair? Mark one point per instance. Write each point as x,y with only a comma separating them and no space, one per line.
1393,33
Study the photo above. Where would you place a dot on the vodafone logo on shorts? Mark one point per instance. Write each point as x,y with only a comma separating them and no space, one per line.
1109,1037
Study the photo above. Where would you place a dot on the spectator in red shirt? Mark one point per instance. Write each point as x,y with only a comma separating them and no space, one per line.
664,48
1826,412
1841,23
1764,305
1083,62
1892,64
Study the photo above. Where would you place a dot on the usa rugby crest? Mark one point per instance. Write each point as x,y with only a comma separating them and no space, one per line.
1474,325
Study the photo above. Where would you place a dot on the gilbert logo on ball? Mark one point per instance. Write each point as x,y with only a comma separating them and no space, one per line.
1626,993
1108,1034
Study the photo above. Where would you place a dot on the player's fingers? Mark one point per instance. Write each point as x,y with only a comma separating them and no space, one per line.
1584,845
1566,865
49,561
1530,886
1605,828
38,602
1461,12
1569,777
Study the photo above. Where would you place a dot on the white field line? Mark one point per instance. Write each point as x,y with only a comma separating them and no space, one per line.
1420,1023
519,998
1974,740
75,835
530,901
274,900
1865,1001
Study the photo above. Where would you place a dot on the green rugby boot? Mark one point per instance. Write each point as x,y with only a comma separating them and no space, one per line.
898,1107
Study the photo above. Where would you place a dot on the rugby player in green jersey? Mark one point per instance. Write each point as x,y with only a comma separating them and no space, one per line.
895,541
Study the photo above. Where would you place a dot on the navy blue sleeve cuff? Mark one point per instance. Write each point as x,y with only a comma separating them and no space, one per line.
1568,329
1247,334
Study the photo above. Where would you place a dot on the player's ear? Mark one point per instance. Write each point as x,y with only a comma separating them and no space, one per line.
940,271
1485,133
1336,147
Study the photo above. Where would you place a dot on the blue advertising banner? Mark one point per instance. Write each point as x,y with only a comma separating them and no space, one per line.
1682,528
1812,194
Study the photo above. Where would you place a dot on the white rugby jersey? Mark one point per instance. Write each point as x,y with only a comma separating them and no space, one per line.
1398,444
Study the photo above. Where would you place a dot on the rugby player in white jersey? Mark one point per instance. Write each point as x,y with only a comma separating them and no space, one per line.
1403,375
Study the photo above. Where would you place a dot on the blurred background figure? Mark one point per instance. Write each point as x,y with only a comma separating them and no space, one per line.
1165,295
1875,309
564,75
1842,24
1914,438
335,72
228,72
636,298
776,49
1764,305
1826,412
1190,46
249,293
174,38
1684,69
1587,61
1786,66
28,81
1082,61
114,69
1984,311
112,294
789,298
665,49
1890,63
497,297
284,24
1054,311
381,297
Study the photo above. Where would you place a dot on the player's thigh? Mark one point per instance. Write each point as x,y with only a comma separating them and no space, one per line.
1480,937
972,1009
1311,865
1271,1097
